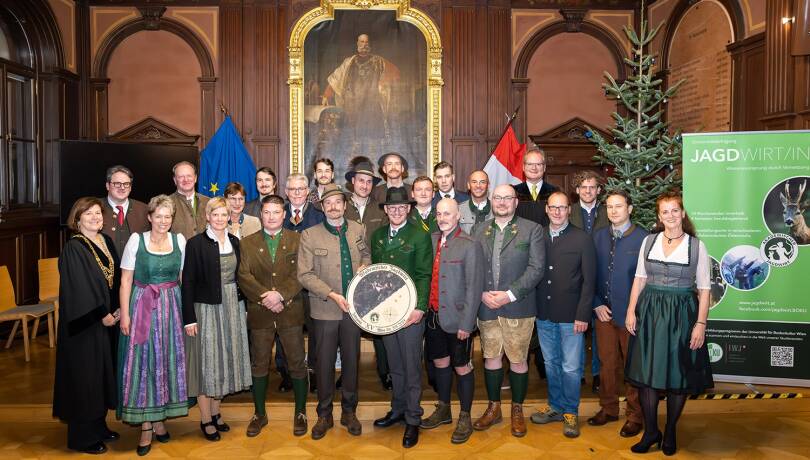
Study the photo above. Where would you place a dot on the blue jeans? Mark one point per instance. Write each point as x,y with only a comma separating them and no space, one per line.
562,352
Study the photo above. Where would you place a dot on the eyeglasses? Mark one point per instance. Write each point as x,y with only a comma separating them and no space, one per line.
401,208
557,208
503,198
121,185
536,165
297,189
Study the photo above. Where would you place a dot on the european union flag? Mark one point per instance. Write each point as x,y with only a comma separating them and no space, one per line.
225,160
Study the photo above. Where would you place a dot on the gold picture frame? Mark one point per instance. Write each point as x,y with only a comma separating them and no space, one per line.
326,12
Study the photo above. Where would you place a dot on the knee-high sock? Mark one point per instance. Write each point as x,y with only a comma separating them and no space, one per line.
444,381
259,390
648,397
300,394
465,386
519,384
493,380
675,403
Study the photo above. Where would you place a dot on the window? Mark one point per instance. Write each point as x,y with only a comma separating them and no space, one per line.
18,146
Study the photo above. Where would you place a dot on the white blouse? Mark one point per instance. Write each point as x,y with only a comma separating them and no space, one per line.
131,249
680,255
227,248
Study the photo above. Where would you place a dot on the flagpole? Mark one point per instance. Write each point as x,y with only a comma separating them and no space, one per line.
505,128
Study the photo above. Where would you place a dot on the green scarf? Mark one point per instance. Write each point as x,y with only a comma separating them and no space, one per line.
480,214
346,271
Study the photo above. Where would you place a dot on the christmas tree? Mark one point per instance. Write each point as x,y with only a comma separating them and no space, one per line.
643,155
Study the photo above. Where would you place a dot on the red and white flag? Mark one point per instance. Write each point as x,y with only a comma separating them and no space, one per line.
505,165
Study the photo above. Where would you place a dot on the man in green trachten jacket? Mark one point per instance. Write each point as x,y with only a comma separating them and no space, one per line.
410,248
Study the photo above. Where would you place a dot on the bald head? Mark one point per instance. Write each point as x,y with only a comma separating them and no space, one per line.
447,215
504,202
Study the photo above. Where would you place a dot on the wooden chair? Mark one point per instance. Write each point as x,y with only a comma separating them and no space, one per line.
49,290
9,311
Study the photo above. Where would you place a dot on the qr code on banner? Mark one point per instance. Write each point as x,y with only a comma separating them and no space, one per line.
781,356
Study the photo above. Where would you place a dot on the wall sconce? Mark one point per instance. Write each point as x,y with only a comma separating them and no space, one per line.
788,20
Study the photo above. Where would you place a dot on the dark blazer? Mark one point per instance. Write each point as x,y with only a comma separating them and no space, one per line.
411,250
373,217
566,290
524,192
522,263
259,273
460,197
461,281
202,281
601,220
533,210
379,191
310,218
135,218
254,208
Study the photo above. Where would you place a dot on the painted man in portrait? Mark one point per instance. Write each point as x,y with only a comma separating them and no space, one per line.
361,87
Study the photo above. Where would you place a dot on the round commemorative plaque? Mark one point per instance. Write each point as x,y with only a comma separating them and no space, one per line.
381,298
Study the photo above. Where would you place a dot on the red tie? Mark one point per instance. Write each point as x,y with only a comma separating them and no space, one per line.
297,218
120,214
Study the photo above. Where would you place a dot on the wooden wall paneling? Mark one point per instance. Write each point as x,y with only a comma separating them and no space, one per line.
264,75
778,61
9,256
83,108
498,71
230,62
99,124
27,282
748,77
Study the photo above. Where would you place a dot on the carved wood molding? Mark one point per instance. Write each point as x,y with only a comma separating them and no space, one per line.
572,131
150,130
573,18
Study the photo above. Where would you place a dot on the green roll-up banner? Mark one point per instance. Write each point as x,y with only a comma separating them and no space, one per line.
747,196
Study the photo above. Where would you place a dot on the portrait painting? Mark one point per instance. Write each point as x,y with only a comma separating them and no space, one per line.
365,91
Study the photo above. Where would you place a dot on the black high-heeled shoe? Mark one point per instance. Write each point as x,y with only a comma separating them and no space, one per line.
223,427
209,436
143,450
668,446
642,447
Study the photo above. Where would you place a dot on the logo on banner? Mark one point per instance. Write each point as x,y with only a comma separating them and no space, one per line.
779,249
715,352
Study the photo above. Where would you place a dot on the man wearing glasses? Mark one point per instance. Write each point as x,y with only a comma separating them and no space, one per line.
563,313
300,215
394,169
122,216
402,244
532,193
514,258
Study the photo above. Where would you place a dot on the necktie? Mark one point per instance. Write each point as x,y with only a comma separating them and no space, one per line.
447,195
120,214
393,234
617,234
297,217
534,191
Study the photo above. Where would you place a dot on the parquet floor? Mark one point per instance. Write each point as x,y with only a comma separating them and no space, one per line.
778,429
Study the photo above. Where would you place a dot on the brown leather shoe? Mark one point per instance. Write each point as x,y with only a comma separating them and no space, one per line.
518,422
491,416
322,426
349,420
257,422
602,418
300,424
630,429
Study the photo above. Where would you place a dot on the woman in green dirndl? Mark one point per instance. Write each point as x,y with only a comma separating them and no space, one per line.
152,360
667,321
